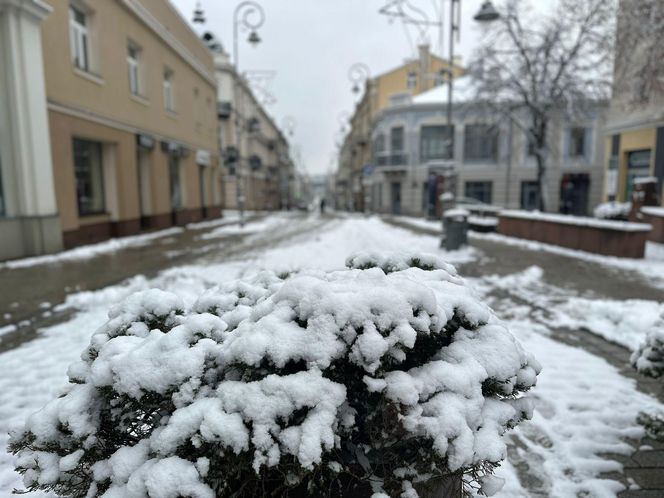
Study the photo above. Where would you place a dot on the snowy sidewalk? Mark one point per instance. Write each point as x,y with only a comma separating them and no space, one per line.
586,405
579,300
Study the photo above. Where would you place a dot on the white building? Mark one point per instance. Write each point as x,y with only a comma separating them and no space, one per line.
489,158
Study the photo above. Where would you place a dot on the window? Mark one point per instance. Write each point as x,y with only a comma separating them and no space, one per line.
396,139
481,191
436,142
176,186
169,91
89,173
379,150
397,156
133,57
481,142
577,142
529,195
638,166
79,38
411,82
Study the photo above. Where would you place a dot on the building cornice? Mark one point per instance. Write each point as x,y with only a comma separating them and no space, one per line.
137,8
36,8
122,126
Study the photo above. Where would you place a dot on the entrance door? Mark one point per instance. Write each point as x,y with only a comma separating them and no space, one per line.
574,194
396,198
176,185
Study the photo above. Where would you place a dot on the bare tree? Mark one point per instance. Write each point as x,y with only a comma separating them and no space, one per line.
639,75
546,63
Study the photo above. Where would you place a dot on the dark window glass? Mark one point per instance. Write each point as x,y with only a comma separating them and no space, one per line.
396,139
481,191
89,174
176,186
436,142
638,166
529,195
380,159
577,142
481,142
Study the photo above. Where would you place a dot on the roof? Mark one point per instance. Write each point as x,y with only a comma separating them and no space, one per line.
463,91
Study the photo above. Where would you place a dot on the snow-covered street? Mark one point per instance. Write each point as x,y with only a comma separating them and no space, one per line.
584,429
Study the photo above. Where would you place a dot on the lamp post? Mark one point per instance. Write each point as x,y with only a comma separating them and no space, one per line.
486,14
358,73
249,15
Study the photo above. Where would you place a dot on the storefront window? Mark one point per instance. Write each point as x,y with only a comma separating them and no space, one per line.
176,185
89,175
638,166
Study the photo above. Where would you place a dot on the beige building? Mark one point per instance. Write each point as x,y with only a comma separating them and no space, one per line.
393,87
129,95
261,161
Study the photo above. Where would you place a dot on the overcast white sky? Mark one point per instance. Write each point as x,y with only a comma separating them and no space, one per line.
311,44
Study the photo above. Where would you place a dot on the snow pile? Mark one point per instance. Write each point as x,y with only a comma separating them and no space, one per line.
375,377
612,210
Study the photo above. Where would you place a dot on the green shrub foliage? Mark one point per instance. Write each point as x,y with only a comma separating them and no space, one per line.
368,380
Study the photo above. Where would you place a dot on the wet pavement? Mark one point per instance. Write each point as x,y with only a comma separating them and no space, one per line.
30,294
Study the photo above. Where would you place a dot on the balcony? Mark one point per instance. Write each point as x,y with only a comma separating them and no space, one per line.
388,160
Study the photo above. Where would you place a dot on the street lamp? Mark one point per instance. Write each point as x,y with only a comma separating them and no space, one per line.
199,14
249,15
487,13
357,74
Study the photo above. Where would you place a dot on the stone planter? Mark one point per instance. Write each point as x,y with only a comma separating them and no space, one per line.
610,238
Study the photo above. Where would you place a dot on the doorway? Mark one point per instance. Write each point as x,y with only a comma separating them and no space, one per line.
574,194
396,197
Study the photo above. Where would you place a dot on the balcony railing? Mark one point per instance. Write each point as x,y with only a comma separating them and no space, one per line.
396,159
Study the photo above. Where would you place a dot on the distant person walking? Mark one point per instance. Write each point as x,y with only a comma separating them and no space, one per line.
322,206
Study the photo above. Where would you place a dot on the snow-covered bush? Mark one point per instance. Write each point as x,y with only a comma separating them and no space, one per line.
366,380
649,360
613,210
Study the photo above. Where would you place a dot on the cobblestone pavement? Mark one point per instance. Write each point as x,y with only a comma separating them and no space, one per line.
645,467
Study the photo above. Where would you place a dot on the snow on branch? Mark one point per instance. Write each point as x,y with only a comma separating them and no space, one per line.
370,379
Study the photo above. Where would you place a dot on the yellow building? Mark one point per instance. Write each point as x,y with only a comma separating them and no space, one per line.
635,125
128,92
393,87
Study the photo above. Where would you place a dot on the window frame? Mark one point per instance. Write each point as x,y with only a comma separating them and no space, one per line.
100,177
436,156
79,38
572,149
169,89
474,149
475,183
134,69
411,80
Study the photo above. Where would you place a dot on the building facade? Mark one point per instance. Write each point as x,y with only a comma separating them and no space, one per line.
259,155
129,95
413,77
488,159
635,125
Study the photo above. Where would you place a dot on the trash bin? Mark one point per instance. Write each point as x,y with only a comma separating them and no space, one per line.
455,229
